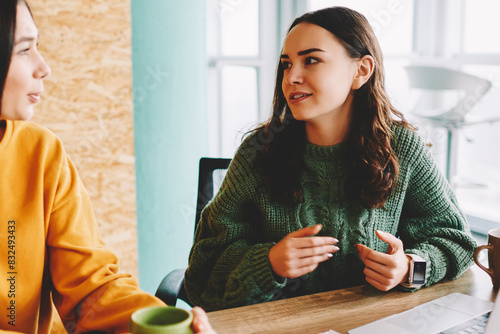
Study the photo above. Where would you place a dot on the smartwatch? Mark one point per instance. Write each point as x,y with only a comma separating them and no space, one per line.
416,274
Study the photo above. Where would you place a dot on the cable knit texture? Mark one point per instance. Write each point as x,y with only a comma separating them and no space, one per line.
229,264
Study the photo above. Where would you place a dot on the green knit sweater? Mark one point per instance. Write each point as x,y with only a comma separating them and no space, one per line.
229,264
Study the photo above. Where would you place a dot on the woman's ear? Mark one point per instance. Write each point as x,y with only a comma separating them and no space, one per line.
364,70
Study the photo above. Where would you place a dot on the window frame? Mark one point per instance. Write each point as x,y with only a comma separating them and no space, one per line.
264,63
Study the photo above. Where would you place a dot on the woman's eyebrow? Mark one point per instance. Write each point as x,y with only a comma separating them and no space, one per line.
302,53
24,39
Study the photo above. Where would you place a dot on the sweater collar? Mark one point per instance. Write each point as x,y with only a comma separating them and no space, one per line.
334,152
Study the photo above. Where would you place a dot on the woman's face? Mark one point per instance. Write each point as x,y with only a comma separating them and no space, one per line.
318,75
27,69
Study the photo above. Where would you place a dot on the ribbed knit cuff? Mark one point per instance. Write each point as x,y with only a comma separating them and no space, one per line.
263,274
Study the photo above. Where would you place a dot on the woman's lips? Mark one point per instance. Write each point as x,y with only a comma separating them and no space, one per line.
298,97
35,97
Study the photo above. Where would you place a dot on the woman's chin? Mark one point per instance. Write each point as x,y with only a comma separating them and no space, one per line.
26,115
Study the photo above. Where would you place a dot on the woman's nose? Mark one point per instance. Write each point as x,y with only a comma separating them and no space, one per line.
294,76
43,70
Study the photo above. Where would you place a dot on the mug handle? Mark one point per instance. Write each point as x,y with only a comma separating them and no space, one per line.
476,256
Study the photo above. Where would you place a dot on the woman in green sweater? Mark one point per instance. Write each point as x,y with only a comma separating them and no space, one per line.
335,190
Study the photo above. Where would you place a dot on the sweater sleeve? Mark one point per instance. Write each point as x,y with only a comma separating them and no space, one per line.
228,267
432,224
89,293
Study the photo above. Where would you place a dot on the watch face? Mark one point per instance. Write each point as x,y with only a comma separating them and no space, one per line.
419,273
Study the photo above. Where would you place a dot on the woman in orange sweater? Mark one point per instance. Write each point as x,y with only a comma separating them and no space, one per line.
52,253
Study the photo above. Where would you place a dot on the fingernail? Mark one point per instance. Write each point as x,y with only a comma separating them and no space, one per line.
329,255
335,240
336,248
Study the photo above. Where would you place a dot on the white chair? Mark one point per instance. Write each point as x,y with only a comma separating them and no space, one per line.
445,100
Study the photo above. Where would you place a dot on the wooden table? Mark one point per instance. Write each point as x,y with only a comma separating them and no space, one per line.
341,310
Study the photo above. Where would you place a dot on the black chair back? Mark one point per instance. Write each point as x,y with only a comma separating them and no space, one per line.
206,182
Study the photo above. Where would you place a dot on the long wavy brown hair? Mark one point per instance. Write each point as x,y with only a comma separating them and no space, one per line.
374,165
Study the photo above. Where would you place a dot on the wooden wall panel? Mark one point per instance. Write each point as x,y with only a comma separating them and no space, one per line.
88,103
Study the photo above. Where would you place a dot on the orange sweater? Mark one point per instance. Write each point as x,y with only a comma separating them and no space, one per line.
51,251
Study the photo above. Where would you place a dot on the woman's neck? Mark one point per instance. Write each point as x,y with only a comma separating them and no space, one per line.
328,132
324,138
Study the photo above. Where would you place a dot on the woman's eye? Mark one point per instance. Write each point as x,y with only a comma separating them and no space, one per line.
311,60
24,50
286,64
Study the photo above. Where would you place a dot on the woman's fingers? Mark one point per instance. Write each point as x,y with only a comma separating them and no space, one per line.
385,271
376,267
380,281
378,259
382,276
317,250
363,252
394,243
300,253
304,270
311,260
307,242
200,324
377,284
306,231
295,264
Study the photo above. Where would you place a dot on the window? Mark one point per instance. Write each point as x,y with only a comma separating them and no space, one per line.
463,34
481,26
242,46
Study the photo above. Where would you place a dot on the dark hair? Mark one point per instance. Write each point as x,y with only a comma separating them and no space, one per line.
8,13
374,165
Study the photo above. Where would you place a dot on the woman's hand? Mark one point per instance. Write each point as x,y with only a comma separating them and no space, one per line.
385,271
298,254
200,324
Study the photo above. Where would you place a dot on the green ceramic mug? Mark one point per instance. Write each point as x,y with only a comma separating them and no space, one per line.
161,320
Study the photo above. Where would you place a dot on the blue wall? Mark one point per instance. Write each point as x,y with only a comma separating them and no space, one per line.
170,129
